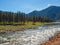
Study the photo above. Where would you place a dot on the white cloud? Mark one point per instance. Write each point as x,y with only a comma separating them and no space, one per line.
49,4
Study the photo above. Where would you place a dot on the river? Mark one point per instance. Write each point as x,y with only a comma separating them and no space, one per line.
35,36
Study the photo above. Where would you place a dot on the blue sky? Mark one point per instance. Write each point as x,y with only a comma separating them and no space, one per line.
26,5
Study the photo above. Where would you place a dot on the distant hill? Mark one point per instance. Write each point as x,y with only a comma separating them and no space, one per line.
52,12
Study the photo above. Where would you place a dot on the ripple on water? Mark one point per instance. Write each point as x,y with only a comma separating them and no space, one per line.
32,36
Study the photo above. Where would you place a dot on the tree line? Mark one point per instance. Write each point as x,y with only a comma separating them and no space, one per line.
11,18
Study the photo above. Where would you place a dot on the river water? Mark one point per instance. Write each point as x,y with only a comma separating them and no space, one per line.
34,36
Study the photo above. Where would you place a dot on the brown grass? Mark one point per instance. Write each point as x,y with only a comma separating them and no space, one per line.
19,27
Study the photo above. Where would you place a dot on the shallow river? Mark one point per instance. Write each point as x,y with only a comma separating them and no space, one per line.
34,36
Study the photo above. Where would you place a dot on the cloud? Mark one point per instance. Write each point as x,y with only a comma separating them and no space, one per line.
49,4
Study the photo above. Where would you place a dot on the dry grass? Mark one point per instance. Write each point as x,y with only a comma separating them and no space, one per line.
19,27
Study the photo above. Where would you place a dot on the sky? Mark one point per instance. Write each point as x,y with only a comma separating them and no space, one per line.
27,6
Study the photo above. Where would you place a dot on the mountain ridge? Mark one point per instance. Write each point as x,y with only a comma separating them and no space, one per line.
52,12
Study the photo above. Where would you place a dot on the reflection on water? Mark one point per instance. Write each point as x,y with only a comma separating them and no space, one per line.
34,36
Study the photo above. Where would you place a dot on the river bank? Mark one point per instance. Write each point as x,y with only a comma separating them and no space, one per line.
7,28
55,40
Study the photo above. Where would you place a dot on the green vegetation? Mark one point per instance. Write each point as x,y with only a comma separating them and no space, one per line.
11,18
10,21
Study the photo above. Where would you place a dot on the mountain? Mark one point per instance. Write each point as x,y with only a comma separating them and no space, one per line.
52,12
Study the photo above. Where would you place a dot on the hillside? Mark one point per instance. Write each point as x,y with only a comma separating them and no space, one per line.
52,12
